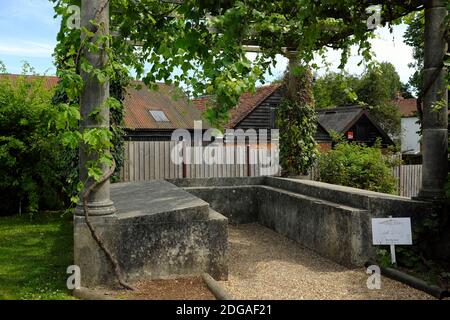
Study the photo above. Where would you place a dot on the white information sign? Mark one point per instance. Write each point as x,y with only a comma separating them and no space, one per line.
391,231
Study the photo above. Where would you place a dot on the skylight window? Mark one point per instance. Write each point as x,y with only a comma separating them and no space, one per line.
159,115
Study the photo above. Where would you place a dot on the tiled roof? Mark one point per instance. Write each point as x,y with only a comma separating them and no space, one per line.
179,111
339,119
139,101
407,107
247,103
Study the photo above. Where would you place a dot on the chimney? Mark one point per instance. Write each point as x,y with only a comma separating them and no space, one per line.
398,96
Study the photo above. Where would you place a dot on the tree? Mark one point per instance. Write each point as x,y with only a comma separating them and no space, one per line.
335,89
415,37
376,88
379,84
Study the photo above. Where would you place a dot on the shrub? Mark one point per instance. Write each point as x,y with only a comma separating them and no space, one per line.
33,163
356,165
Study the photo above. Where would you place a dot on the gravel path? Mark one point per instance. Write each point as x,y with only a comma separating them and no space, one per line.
266,265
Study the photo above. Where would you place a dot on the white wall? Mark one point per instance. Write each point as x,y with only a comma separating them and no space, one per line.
410,138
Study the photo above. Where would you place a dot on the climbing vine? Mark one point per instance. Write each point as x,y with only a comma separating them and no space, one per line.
200,44
296,120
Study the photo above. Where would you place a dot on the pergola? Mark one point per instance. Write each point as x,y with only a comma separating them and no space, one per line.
435,121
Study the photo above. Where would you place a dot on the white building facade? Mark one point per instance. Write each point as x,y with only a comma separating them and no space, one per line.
410,135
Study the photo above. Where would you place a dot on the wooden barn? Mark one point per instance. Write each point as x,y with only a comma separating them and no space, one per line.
355,124
258,111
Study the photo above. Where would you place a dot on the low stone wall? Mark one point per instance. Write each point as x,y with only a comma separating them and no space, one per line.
238,204
338,232
160,231
334,221
161,250
164,231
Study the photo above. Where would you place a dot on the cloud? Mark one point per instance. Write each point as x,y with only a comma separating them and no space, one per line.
27,49
386,46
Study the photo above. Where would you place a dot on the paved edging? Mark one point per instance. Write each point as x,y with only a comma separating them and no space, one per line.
217,290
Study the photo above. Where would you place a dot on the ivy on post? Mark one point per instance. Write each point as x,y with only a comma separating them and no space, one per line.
296,119
93,105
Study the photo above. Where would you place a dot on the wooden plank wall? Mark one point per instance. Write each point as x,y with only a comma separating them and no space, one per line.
151,160
409,179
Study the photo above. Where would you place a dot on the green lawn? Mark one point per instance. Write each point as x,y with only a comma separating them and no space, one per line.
34,256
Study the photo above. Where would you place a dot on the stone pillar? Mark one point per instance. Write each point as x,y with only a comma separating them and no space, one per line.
95,95
434,125
293,63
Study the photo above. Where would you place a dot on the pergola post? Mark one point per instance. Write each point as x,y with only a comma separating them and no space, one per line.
293,63
435,101
95,95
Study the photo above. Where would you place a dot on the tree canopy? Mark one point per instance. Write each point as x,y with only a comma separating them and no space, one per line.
201,43
376,88
415,37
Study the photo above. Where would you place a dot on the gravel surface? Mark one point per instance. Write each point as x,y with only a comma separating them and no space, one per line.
266,265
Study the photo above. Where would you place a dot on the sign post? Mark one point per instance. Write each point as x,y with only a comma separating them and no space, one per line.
391,231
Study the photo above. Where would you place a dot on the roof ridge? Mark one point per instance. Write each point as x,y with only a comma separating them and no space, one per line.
341,108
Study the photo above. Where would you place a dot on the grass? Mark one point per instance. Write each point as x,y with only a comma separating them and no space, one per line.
34,256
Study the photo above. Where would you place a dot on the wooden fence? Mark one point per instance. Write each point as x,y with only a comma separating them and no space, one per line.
409,178
152,160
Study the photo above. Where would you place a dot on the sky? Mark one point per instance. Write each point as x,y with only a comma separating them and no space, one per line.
28,33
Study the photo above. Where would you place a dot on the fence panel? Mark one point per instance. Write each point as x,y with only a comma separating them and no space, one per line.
151,160
410,179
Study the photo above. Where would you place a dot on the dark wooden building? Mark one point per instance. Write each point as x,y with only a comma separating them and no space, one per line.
258,111
355,124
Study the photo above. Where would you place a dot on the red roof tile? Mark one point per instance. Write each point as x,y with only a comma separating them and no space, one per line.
175,105
49,82
407,107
